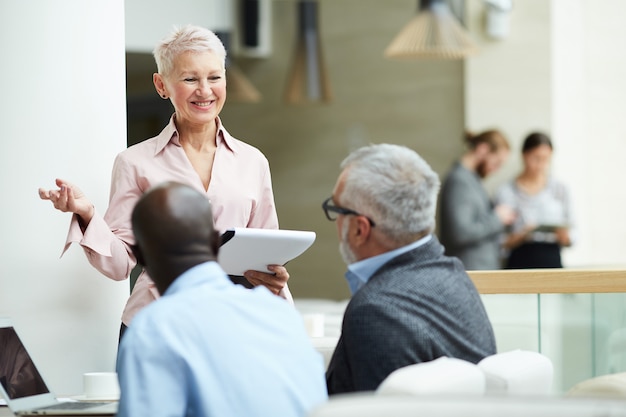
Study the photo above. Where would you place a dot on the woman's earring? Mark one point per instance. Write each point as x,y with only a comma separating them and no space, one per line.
163,95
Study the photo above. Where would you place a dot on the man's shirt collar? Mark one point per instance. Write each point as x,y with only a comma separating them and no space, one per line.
360,272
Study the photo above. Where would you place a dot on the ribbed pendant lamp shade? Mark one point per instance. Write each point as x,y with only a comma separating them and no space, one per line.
239,87
433,33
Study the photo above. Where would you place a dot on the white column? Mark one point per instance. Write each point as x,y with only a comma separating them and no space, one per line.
62,80
507,83
589,92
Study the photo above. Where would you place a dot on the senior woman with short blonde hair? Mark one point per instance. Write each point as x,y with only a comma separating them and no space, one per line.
194,149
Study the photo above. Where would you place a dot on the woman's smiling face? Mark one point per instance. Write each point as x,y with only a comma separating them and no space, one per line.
196,87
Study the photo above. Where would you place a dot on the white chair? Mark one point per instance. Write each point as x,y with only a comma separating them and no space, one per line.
518,372
440,376
611,385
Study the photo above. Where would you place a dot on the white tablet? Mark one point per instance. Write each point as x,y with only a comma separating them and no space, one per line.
244,249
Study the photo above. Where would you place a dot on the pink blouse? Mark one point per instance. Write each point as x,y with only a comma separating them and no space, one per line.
240,192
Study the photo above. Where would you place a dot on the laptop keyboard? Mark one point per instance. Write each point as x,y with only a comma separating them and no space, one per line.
70,405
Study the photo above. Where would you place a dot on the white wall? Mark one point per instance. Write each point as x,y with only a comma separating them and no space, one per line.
589,91
507,83
148,21
63,115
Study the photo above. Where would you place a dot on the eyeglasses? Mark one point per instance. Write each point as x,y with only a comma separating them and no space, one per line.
330,210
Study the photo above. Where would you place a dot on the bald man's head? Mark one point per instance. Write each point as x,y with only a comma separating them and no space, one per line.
173,227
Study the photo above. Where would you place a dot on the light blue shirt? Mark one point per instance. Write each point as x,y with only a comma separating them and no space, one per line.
212,348
360,272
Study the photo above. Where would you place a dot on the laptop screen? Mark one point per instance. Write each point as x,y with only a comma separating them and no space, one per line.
18,374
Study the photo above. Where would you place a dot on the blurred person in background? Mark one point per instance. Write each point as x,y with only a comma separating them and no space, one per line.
544,216
470,226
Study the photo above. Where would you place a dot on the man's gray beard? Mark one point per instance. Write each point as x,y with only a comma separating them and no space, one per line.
344,248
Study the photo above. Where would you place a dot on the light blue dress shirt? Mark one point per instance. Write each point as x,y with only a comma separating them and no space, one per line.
360,272
212,348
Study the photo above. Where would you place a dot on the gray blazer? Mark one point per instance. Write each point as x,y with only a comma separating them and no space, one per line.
419,306
468,227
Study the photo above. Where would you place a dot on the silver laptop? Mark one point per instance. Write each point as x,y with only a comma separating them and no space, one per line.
24,389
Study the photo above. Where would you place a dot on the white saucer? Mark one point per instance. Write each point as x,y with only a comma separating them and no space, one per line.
94,399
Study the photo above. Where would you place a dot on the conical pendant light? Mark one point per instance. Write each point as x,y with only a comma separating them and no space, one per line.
433,33
239,88
308,81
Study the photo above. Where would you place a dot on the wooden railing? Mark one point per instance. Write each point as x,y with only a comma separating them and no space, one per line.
549,281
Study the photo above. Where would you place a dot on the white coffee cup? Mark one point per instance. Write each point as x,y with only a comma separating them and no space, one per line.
314,324
101,385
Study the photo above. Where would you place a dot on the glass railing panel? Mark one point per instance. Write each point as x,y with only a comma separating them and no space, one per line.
566,329
609,333
575,317
515,320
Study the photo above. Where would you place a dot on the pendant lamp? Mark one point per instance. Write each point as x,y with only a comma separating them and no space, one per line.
238,87
308,80
433,33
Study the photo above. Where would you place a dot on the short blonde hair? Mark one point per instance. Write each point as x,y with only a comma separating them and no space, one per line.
189,38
